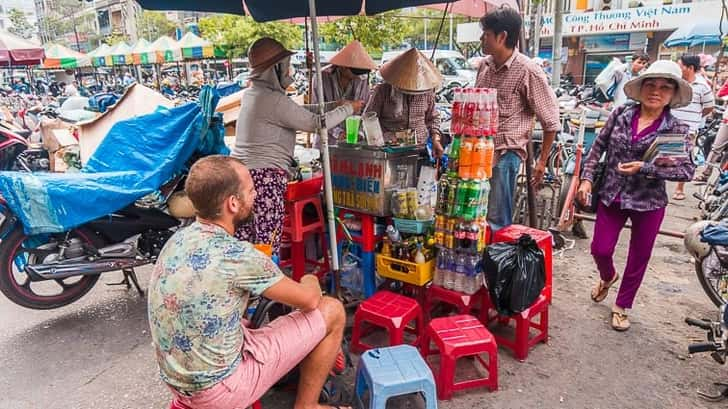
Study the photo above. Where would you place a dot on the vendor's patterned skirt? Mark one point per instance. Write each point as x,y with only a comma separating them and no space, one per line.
269,208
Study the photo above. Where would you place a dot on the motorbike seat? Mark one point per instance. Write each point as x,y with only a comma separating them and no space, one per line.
715,235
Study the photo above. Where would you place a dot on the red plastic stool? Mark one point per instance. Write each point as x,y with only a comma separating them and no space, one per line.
465,303
297,227
367,238
390,311
456,337
544,241
176,404
523,342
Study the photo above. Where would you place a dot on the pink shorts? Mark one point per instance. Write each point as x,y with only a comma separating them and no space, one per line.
269,353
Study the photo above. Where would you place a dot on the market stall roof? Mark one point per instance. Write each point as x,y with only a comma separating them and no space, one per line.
143,53
121,54
17,51
101,56
58,56
696,34
473,8
267,10
167,49
194,47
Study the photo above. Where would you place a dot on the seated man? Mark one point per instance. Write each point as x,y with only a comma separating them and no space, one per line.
199,293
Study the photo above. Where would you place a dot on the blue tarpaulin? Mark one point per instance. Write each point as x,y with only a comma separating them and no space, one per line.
137,156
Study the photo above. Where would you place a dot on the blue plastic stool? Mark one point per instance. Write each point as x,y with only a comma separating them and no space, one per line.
394,371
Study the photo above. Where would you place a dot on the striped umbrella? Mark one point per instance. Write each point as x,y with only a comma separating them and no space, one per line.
100,57
121,54
167,49
58,56
142,53
195,48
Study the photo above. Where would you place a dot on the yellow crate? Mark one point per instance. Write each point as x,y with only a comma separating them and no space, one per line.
405,271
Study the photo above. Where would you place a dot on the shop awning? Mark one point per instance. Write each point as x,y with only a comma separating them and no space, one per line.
167,49
697,34
58,56
142,53
17,51
121,54
100,57
473,8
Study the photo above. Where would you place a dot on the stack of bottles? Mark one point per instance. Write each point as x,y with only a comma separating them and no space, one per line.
462,202
414,249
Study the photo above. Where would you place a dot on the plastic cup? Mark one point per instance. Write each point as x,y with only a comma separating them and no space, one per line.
352,128
264,248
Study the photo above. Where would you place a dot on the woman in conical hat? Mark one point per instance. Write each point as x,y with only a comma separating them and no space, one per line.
406,99
347,78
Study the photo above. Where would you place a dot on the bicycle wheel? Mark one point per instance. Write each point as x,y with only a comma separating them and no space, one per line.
713,277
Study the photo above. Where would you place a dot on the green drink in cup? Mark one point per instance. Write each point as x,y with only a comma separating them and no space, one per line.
352,129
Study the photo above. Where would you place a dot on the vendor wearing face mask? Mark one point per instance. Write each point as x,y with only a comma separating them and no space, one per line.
347,78
266,135
406,99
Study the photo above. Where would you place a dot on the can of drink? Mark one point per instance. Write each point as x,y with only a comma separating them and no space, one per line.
440,237
449,240
440,222
450,224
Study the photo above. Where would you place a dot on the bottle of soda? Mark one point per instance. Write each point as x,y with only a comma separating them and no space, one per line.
451,199
484,193
449,276
454,157
483,112
470,210
494,114
489,153
471,106
460,272
461,234
443,188
456,121
461,198
477,167
473,235
466,157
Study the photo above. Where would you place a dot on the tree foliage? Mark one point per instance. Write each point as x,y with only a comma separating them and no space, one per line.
238,33
19,24
374,32
114,39
154,24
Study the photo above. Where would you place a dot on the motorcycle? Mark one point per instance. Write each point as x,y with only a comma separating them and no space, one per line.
717,345
707,242
51,270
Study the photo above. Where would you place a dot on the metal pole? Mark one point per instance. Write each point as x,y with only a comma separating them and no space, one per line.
556,48
450,31
425,47
669,233
326,162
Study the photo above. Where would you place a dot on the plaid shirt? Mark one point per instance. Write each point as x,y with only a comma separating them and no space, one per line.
646,190
358,89
418,112
523,92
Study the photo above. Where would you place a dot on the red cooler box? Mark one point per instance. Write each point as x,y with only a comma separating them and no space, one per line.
543,238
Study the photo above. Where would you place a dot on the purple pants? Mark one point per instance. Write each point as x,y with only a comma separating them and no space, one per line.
645,226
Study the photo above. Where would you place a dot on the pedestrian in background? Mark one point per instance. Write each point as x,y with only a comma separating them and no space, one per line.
524,94
633,189
700,106
626,72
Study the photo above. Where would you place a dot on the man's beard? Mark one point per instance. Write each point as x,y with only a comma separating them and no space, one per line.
242,219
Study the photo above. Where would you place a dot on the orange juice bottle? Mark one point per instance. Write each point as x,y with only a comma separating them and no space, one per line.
466,157
489,153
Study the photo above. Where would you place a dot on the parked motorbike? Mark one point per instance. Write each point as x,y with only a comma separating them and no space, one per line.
717,345
707,242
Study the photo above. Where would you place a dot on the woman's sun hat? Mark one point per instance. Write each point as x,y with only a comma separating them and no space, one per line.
354,56
264,53
411,71
662,69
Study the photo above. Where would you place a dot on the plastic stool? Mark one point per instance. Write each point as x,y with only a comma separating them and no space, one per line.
393,371
523,342
176,404
297,227
465,303
367,238
544,241
390,311
456,337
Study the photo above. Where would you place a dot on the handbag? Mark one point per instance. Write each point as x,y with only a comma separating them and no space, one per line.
600,172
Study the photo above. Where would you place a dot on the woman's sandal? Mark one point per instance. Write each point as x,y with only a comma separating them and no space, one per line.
620,322
678,196
600,292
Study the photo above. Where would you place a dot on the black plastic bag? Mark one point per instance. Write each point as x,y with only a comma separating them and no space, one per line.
515,274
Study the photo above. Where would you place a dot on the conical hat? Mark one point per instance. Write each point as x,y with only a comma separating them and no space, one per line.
411,71
353,56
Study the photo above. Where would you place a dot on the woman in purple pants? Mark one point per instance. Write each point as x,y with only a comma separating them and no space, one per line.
632,188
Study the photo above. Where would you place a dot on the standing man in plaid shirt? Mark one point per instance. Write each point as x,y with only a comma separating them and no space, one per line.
523,94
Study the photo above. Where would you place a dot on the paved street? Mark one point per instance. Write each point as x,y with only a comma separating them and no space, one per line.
97,353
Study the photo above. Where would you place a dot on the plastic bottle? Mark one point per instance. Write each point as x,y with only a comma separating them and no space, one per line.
440,267
454,156
443,190
449,276
484,112
489,153
393,234
471,106
460,275
466,157
494,114
461,197
420,256
456,124
451,196
484,193
477,167
461,234
472,205
473,235
471,283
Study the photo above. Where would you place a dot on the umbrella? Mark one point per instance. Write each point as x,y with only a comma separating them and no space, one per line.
195,48
473,8
17,51
58,56
142,53
100,56
167,49
267,10
121,54
700,33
